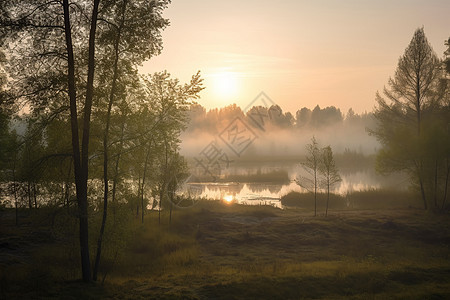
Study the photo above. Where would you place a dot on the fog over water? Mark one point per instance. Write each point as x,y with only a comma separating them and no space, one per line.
283,150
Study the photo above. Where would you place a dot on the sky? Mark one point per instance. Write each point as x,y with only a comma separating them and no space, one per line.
299,53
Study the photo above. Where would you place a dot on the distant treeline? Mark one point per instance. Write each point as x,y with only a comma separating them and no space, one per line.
273,118
275,176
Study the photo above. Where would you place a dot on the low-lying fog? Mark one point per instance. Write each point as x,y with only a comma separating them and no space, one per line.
251,150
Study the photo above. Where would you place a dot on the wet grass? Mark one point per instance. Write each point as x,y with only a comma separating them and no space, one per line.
220,251
356,200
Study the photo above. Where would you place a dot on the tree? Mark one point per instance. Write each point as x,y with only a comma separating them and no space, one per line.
169,103
178,170
447,56
411,95
311,166
51,49
329,171
303,117
124,21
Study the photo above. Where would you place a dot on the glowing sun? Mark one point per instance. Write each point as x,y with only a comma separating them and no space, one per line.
228,198
226,84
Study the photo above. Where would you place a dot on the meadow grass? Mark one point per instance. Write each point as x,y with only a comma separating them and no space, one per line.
220,251
356,200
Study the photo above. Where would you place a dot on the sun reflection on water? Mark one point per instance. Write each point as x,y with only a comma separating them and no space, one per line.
228,198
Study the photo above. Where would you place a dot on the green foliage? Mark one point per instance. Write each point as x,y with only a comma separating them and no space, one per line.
411,122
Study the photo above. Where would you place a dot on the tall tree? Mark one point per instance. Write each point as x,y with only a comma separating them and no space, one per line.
54,52
410,95
311,166
51,51
123,22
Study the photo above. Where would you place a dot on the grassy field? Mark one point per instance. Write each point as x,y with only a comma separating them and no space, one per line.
220,251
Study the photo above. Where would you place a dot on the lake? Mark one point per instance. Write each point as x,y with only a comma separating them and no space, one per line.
269,193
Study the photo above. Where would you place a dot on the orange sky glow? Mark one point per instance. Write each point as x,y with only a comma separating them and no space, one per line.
300,53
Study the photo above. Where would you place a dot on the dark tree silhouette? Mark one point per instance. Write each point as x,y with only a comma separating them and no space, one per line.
312,167
411,95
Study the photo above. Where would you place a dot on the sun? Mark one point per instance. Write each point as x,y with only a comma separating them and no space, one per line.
228,198
226,84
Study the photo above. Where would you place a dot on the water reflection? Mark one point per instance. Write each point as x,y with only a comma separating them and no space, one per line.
271,193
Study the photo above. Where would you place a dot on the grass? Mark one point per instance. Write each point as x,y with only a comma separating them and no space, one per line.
366,199
220,251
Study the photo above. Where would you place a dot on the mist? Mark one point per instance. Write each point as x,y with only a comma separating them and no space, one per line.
342,133
266,169
292,142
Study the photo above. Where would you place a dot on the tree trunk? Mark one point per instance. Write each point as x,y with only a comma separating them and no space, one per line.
328,198
161,194
67,188
81,161
30,205
143,183
85,263
315,194
105,148
15,205
171,206
422,192
435,183
138,196
446,184
116,172
15,191
34,195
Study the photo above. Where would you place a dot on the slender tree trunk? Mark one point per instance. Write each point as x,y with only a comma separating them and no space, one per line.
85,263
328,198
143,182
446,184
421,185
16,206
171,206
67,187
436,183
30,206
139,196
422,192
315,193
116,171
163,185
63,193
15,191
34,195
142,208
161,195
81,161
105,146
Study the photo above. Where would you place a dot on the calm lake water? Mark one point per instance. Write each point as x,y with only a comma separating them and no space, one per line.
270,193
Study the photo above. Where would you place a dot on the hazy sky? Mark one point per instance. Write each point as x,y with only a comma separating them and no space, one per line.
300,53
